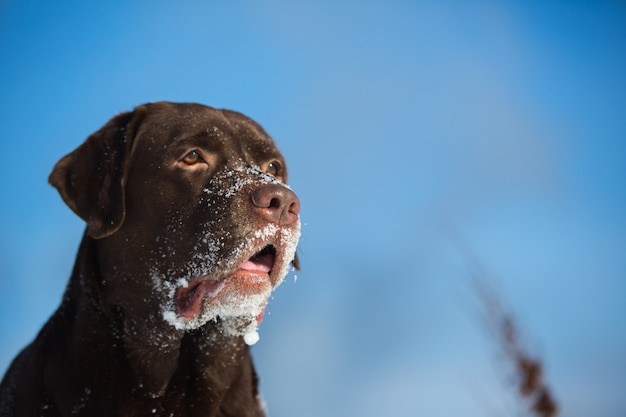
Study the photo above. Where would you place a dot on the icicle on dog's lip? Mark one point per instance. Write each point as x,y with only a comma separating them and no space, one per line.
251,276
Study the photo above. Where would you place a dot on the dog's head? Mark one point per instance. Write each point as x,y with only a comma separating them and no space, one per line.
191,213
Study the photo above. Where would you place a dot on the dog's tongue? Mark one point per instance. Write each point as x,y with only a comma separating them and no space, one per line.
263,263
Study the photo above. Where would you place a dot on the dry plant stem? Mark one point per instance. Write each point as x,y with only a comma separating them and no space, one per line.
528,370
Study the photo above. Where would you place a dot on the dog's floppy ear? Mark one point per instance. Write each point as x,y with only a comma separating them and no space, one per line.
91,179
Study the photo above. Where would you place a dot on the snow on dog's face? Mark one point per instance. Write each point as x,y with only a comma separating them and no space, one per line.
192,217
238,257
226,225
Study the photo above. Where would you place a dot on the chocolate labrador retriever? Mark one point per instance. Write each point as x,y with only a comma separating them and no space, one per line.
190,227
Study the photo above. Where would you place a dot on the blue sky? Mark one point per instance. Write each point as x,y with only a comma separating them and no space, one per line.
413,131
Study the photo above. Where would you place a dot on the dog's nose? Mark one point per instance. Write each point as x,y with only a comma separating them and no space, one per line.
276,203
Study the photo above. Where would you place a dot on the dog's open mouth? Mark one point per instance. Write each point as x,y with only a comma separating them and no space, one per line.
252,276
262,261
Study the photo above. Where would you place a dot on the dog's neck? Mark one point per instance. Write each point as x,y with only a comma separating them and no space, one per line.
205,366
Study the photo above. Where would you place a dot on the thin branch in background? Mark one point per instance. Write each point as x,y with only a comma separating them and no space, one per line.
527,370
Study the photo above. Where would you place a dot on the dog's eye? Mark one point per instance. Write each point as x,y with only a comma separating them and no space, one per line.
192,158
274,168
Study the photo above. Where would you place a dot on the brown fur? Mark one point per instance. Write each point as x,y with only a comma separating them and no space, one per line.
153,219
